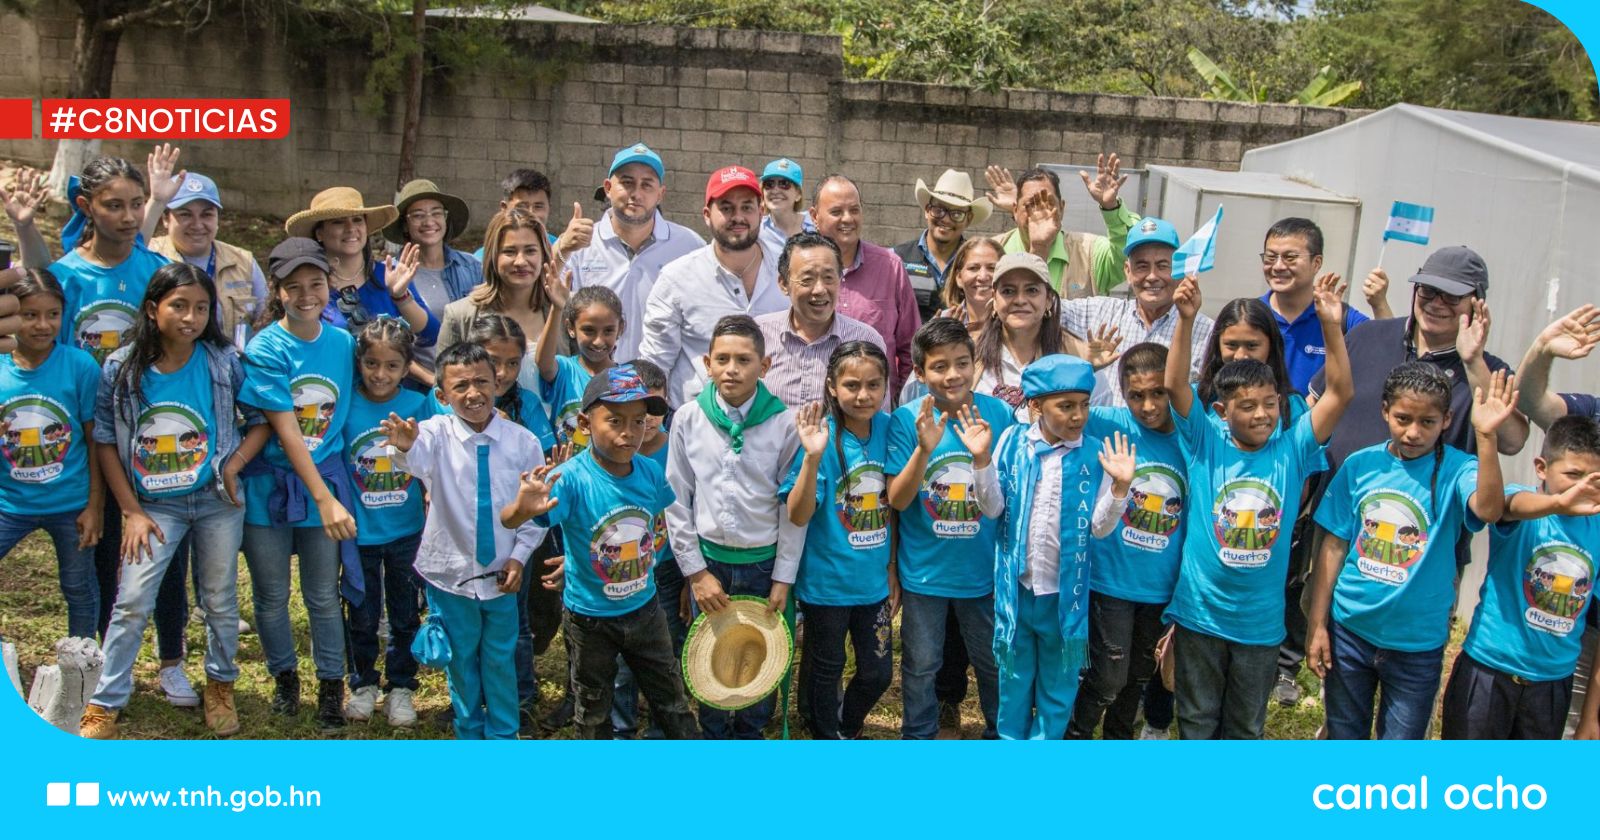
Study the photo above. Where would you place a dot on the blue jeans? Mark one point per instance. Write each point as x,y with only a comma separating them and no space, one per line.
483,688
74,566
625,692
215,525
388,570
1409,682
745,724
172,605
266,552
1222,687
922,624
1038,690
829,713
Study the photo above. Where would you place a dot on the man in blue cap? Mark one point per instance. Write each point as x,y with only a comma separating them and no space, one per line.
632,242
1050,477
192,210
1146,316
782,195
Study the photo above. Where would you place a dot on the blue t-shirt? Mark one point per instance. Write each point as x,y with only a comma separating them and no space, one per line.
609,527
388,499
534,419
663,545
1138,560
102,304
564,396
1530,614
1236,556
174,431
845,562
1398,582
1304,351
946,544
46,451
310,378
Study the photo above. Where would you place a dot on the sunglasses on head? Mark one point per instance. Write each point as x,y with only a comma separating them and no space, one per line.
348,302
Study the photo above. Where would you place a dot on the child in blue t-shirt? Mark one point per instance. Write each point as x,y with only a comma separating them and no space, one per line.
389,519
166,415
1229,601
947,534
1133,569
1392,516
846,585
1513,677
608,499
592,318
299,372
50,479
1059,487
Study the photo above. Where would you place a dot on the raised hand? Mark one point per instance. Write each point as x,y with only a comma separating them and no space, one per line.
1583,498
400,434
533,493
812,428
1118,457
1376,286
929,430
26,195
1104,344
1002,191
559,454
974,432
1572,336
398,274
1492,408
158,170
555,284
1473,333
1107,181
1328,294
578,235
1187,297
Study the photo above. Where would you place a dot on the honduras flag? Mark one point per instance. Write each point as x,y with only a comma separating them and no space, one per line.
1409,223
1200,252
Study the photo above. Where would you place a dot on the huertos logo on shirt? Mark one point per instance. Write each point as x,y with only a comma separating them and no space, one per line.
1155,507
379,481
1556,583
170,447
862,506
1247,518
103,326
1394,534
37,438
315,399
622,550
948,495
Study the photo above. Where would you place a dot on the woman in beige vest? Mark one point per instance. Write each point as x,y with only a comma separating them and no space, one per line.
192,210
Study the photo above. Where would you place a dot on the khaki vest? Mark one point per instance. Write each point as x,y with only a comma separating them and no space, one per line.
235,296
1077,281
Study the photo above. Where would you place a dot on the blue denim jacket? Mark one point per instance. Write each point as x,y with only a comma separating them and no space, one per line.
462,272
116,409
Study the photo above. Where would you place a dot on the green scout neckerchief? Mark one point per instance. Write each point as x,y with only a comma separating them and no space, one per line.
763,407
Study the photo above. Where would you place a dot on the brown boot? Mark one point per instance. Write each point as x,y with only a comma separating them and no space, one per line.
99,723
221,715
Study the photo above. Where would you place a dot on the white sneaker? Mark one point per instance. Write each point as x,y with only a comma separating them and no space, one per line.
361,703
175,684
1150,733
402,713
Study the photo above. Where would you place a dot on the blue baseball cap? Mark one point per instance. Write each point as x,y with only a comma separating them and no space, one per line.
195,187
1057,373
622,384
1151,229
638,153
786,169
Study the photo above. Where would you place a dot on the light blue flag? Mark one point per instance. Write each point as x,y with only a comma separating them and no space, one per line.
1409,223
1200,252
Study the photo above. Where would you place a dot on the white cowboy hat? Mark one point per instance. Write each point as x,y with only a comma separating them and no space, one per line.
737,656
955,189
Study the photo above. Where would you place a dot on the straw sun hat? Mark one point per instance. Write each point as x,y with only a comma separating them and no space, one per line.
736,657
339,203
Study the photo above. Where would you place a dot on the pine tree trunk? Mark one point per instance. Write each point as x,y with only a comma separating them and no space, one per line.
94,60
413,116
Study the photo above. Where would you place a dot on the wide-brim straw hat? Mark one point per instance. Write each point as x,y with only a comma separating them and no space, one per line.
339,203
414,191
737,656
954,188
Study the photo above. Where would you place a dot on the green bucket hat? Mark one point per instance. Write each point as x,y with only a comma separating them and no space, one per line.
415,191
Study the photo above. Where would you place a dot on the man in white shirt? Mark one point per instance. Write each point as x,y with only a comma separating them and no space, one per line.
734,275
632,242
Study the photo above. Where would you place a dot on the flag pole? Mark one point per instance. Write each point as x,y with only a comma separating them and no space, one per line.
1381,249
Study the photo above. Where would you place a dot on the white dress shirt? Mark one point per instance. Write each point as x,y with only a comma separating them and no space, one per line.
608,262
690,296
730,499
445,458
1084,316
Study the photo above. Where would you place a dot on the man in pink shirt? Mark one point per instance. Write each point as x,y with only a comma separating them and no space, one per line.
875,288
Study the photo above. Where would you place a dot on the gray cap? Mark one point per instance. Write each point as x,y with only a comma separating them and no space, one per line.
1456,270
1022,261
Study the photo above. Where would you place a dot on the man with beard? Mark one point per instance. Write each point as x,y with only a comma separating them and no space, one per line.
734,275
875,289
632,242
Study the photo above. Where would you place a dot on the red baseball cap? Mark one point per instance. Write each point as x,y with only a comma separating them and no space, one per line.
728,178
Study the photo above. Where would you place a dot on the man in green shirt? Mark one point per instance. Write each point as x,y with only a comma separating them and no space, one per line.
1081,264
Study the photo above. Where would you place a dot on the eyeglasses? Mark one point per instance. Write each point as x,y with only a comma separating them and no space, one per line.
438,215
1428,293
349,305
954,214
1268,258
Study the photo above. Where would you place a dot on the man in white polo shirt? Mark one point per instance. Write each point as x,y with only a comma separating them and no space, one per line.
632,242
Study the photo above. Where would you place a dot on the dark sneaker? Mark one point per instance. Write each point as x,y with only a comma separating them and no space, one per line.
561,716
330,704
286,694
949,716
1287,691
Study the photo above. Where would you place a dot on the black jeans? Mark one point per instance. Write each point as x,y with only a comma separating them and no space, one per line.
950,686
641,638
391,583
1292,651
1482,703
1122,646
172,599
829,713
1158,702
538,616
1222,686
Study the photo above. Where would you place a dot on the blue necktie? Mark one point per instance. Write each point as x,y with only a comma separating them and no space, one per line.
485,509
